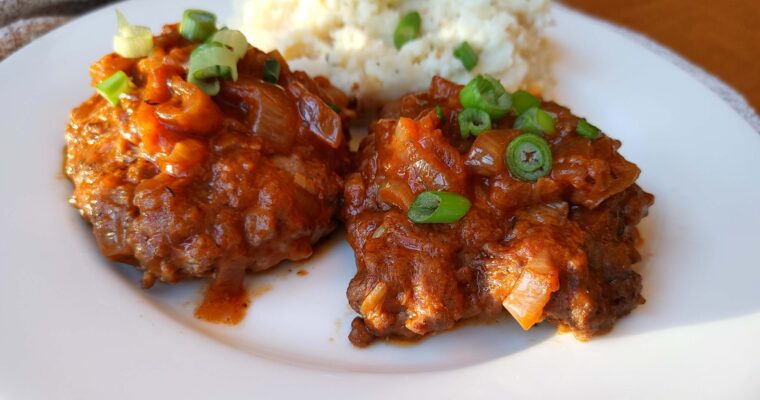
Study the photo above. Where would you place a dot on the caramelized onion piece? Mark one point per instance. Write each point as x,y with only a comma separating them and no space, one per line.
373,303
154,136
185,158
189,110
396,193
423,157
533,290
271,113
319,117
158,70
486,155
108,65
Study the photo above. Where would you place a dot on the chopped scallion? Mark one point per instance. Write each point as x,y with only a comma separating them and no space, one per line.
112,87
197,25
585,129
439,112
528,157
208,62
535,120
473,122
466,55
335,108
522,101
271,70
486,93
233,39
132,41
407,29
438,207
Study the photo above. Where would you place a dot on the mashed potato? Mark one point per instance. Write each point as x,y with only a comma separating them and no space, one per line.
351,41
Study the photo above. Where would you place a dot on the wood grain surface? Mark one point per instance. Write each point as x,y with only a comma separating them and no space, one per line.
721,36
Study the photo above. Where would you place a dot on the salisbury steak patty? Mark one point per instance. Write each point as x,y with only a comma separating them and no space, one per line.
184,185
557,248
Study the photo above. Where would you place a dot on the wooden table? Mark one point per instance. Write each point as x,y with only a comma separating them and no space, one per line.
721,36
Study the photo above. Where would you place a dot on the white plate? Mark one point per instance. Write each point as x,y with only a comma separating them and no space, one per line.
75,326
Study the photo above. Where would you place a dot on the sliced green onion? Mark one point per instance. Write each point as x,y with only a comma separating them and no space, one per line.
466,55
132,41
112,87
271,70
197,25
523,101
233,39
486,93
407,29
214,71
473,121
439,111
335,108
529,157
209,86
438,207
535,120
208,62
585,129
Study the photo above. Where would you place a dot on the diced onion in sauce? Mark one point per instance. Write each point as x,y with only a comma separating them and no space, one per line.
396,193
185,157
532,291
486,155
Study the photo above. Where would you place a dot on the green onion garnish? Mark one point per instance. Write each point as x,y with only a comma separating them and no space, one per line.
529,157
486,93
535,120
522,101
213,71
197,25
407,29
473,121
466,55
208,62
335,108
585,129
132,41
438,207
233,39
271,70
439,111
113,86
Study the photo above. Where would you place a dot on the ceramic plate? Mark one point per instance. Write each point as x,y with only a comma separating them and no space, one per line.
73,325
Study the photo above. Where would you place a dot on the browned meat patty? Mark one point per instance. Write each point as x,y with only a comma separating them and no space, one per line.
559,249
183,185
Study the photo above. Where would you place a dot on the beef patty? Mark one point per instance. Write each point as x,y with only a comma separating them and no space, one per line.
184,185
559,249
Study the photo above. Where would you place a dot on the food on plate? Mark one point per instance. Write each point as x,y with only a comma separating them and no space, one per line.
465,201
378,51
201,156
